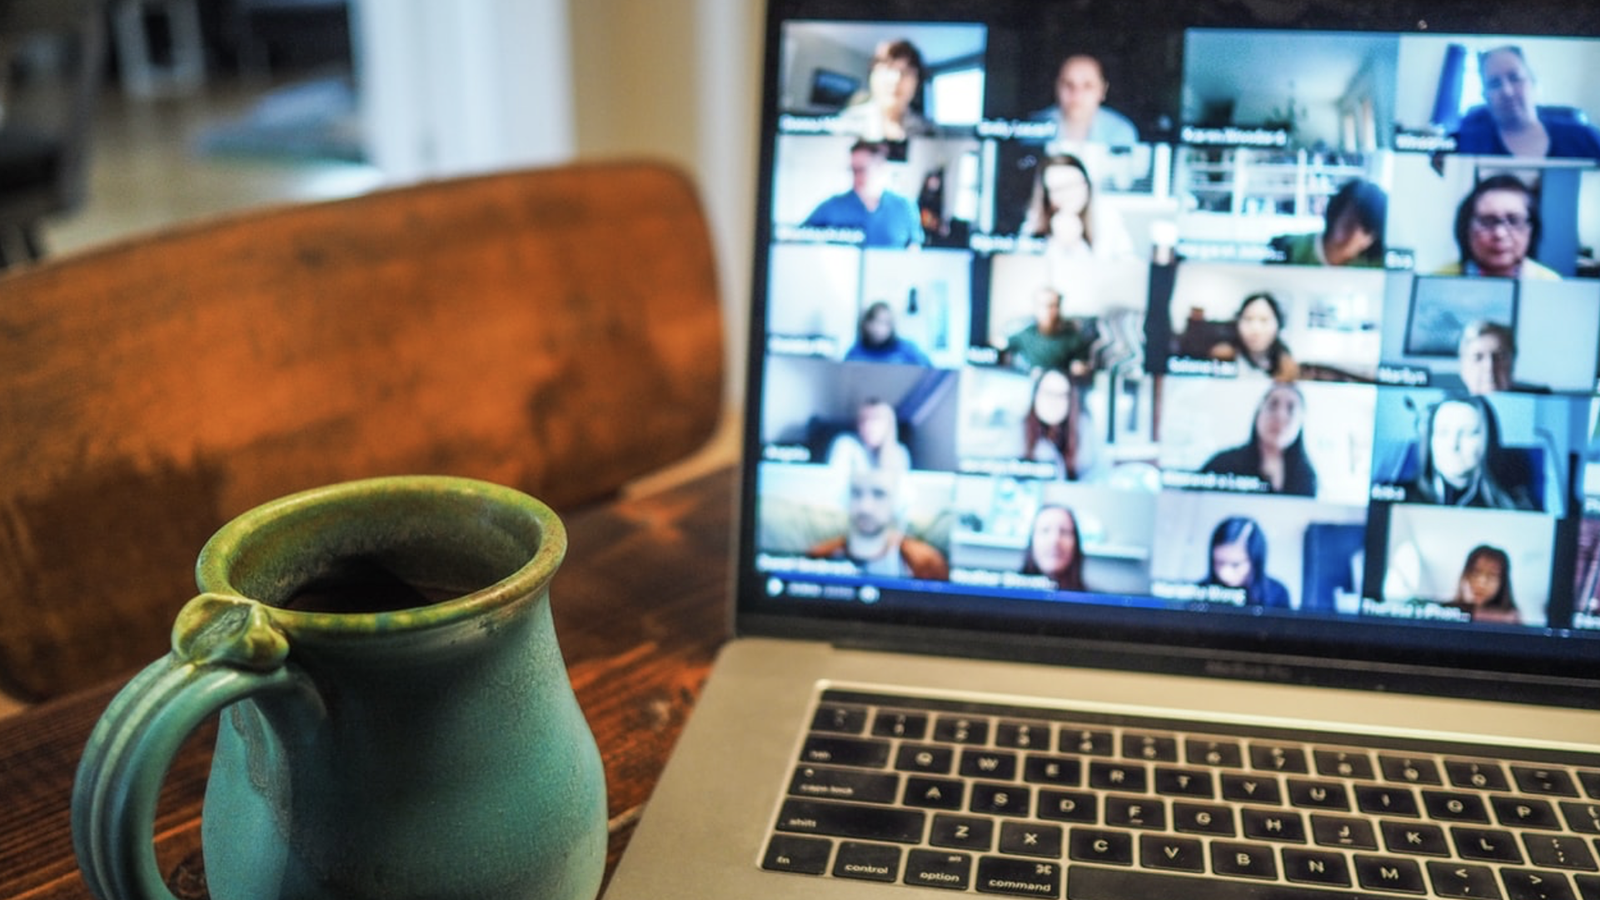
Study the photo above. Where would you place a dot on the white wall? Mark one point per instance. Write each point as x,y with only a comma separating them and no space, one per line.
475,85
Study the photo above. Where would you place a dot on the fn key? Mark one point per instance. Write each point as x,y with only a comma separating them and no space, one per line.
788,853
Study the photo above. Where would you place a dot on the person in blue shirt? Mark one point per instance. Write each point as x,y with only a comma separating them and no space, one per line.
1080,113
877,342
1239,561
884,218
1512,123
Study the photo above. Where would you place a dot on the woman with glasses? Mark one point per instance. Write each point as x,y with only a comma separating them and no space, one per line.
1497,230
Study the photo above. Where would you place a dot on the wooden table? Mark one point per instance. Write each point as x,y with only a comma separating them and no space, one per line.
640,609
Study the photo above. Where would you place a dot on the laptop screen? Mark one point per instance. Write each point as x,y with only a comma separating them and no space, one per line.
1265,341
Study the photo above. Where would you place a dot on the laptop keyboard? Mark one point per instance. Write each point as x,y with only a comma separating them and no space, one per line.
1033,802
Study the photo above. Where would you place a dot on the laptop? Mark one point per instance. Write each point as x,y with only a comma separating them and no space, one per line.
1170,461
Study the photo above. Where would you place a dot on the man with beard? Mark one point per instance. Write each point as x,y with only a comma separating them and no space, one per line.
875,541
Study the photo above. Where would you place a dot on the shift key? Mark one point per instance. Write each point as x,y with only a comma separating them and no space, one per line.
873,823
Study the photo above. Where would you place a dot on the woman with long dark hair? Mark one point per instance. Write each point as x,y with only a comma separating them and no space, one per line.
1238,560
1256,339
1050,431
1276,452
1463,464
1484,589
1054,548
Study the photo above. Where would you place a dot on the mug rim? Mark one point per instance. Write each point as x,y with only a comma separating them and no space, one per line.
219,555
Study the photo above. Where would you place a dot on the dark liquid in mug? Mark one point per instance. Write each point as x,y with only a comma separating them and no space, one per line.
356,585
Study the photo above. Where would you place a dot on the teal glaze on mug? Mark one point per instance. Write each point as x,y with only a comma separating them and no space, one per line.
424,751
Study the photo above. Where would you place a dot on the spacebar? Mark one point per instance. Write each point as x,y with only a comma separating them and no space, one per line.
1089,883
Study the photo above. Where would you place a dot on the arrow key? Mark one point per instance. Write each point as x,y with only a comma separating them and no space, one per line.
1526,884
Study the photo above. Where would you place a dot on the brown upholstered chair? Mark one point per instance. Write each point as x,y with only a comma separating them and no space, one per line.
556,330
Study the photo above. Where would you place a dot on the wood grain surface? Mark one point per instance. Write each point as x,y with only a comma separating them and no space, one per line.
640,609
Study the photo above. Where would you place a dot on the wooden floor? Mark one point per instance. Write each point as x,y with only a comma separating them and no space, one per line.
146,174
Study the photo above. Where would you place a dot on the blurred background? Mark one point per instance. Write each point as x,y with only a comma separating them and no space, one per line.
208,106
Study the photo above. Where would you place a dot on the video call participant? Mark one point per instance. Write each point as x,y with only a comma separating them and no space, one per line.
884,218
1239,560
1463,464
1257,340
1487,352
1497,228
1080,113
1512,123
1276,450
875,444
1060,211
877,342
1484,589
1054,548
875,540
1352,233
1052,341
1053,427
890,108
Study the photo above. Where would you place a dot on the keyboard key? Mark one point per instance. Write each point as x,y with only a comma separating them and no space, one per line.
1097,846
1485,844
1251,789
1030,839
961,730
1410,770
1085,741
1460,880
1344,764
1554,851
1000,800
1590,782
1160,851
1135,812
807,856
1318,795
1524,812
867,862
1223,754
996,765
934,793
1110,776
1184,782
1543,780
1203,818
1454,807
1023,735
1389,873
845,752
878,823
1527,884
1582,817
1019,877
1340,831
1150,747
839,719
1278,758
1246,860
1272,825
1588,886
1057,770
1315,867
930,868
1386,801
844,784
1477,775
962,833
924,758
1089,883
1069,806
910,726
1415,839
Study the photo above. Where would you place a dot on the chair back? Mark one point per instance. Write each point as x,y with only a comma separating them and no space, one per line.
554,330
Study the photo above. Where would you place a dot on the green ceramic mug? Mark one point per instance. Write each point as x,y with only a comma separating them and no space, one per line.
396,718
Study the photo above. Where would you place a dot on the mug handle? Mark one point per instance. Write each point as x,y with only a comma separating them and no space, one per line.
224,648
